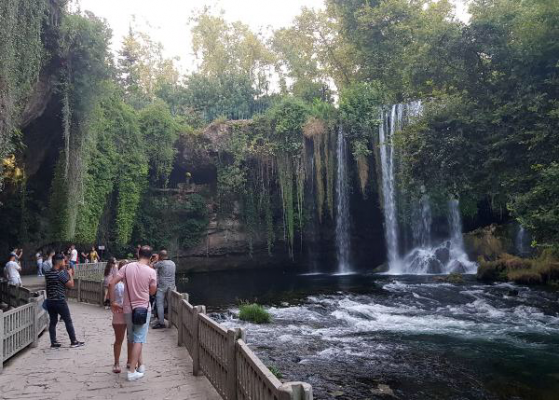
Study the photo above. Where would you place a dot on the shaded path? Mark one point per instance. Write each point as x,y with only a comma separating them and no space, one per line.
85,373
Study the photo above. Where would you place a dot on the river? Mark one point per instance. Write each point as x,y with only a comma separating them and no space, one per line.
372,336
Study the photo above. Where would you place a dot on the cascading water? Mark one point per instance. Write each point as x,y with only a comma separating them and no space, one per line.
386,130
342,207
422,220
312,248
426,257
448,256
522,242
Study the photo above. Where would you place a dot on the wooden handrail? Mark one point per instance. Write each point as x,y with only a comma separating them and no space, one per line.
220,354
20,326
226,360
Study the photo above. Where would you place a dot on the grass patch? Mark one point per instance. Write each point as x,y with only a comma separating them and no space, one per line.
275,371
454,277
254,313
526,271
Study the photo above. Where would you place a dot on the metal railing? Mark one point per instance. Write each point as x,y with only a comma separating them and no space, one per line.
20,326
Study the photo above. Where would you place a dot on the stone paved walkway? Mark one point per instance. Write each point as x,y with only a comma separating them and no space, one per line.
85,373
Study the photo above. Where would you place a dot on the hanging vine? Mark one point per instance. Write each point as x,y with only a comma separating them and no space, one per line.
21,58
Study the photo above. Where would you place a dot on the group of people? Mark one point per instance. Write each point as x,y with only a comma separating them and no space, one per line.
44,257
131,289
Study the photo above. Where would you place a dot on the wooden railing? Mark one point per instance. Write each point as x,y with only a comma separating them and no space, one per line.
221,355
87,290
224,357
14,296
90,270
23,323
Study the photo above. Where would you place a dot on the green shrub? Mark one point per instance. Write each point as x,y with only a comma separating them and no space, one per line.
254,313
275,371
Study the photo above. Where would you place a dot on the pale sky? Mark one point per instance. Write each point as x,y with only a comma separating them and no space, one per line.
166,21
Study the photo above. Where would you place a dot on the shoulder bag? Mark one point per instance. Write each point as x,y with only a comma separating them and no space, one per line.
139,314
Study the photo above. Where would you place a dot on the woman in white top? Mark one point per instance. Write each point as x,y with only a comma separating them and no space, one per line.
11,271
119,324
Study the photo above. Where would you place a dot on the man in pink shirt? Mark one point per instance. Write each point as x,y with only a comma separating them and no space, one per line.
140,281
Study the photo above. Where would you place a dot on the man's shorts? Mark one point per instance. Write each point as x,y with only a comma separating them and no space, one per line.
137,333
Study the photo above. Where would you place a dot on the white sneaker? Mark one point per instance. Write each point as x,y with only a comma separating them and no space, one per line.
141,369
134,376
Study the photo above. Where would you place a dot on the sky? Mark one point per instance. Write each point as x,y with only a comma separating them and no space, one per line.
166,21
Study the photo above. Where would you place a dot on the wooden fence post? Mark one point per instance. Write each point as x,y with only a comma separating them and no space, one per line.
102,294
180,322
295,391
196,340
79,290
35,330
232,336
170,298
1,340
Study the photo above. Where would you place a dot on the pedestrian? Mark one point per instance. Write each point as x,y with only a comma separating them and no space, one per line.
47,263
93,256
154,258
165,269
110,270
73,254
57,280
119,324
12,269
18,253
139,282
39,260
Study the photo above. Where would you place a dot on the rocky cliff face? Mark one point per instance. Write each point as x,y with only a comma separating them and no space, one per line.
227,244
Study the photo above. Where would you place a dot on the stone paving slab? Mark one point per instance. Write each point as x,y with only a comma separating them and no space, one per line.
86,372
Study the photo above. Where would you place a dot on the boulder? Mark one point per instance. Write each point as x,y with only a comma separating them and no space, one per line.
434,266
443,255
456,267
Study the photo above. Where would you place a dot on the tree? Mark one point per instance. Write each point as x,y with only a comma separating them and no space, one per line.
230,49
310,53
160,131
143,69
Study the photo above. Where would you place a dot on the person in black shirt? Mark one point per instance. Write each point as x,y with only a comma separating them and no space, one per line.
57,280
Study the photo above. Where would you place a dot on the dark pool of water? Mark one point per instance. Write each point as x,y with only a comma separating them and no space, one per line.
346,335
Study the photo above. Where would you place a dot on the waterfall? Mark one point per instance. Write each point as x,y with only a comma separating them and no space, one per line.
455,222
388,186
428,256
422,220
312,248
342,207
459,261
520,242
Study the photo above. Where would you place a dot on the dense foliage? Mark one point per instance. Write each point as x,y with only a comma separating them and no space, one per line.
22,55
262,112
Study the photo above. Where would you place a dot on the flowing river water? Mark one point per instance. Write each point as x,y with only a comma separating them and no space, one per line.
407,337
